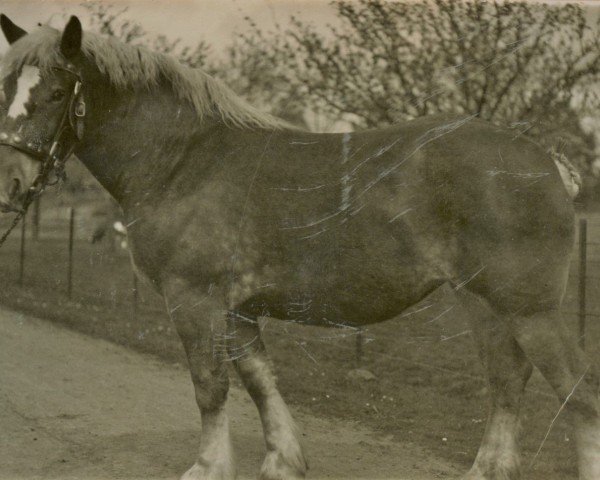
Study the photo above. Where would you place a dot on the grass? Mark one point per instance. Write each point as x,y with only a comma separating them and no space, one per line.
429,384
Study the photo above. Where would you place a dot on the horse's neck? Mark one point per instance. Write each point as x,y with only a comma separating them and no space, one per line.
131,141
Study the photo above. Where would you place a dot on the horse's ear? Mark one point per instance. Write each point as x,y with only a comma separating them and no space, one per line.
10,30
70,43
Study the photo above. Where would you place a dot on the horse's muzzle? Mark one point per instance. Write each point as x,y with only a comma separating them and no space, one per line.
13,198
8,207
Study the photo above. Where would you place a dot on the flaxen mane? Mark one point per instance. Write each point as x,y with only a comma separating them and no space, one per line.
128,66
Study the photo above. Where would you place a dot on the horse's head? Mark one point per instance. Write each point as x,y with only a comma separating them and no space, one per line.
37,112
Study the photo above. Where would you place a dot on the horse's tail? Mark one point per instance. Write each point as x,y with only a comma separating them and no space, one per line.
569,174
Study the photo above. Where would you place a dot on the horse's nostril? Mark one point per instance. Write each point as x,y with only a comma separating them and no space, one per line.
15,188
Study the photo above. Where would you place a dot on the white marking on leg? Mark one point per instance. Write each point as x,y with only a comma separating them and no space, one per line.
499,449
284,458
215,460
563,405
588,446
29,78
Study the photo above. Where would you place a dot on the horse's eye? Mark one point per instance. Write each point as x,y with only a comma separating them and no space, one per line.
57,95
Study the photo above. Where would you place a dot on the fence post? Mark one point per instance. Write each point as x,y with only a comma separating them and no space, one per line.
134,297
35,226
359,347
22,253
71,238
582,278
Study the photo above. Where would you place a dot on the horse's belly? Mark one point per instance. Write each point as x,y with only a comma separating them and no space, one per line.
358,297
356,273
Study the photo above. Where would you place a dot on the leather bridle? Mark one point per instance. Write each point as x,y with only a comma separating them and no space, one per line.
52,155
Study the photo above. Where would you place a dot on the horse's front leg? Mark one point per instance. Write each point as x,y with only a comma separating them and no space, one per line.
209,375
285,459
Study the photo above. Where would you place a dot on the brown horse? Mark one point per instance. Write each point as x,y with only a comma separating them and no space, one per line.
233,215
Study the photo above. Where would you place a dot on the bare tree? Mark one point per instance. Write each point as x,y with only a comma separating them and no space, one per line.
531,66
112,20
247,73
521,64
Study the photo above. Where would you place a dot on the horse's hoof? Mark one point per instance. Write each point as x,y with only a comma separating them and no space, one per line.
473,475
278,466
210,472
476,474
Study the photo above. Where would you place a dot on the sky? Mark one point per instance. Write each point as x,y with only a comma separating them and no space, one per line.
214,21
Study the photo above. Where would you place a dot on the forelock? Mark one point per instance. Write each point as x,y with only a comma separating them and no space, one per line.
39,48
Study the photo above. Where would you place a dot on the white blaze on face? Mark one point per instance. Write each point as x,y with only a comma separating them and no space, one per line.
29,78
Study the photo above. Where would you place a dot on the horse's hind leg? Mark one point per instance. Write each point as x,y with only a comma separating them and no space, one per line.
554,350
211,383
284,459
508,371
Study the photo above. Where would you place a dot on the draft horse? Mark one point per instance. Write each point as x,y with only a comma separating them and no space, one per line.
233,214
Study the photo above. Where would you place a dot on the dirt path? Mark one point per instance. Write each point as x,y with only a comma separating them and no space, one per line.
75,407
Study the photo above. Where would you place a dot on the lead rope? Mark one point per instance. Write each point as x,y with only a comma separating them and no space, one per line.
30,196
36,189
14,223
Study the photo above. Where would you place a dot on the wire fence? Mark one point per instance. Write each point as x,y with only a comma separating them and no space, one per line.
585,272
64,230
